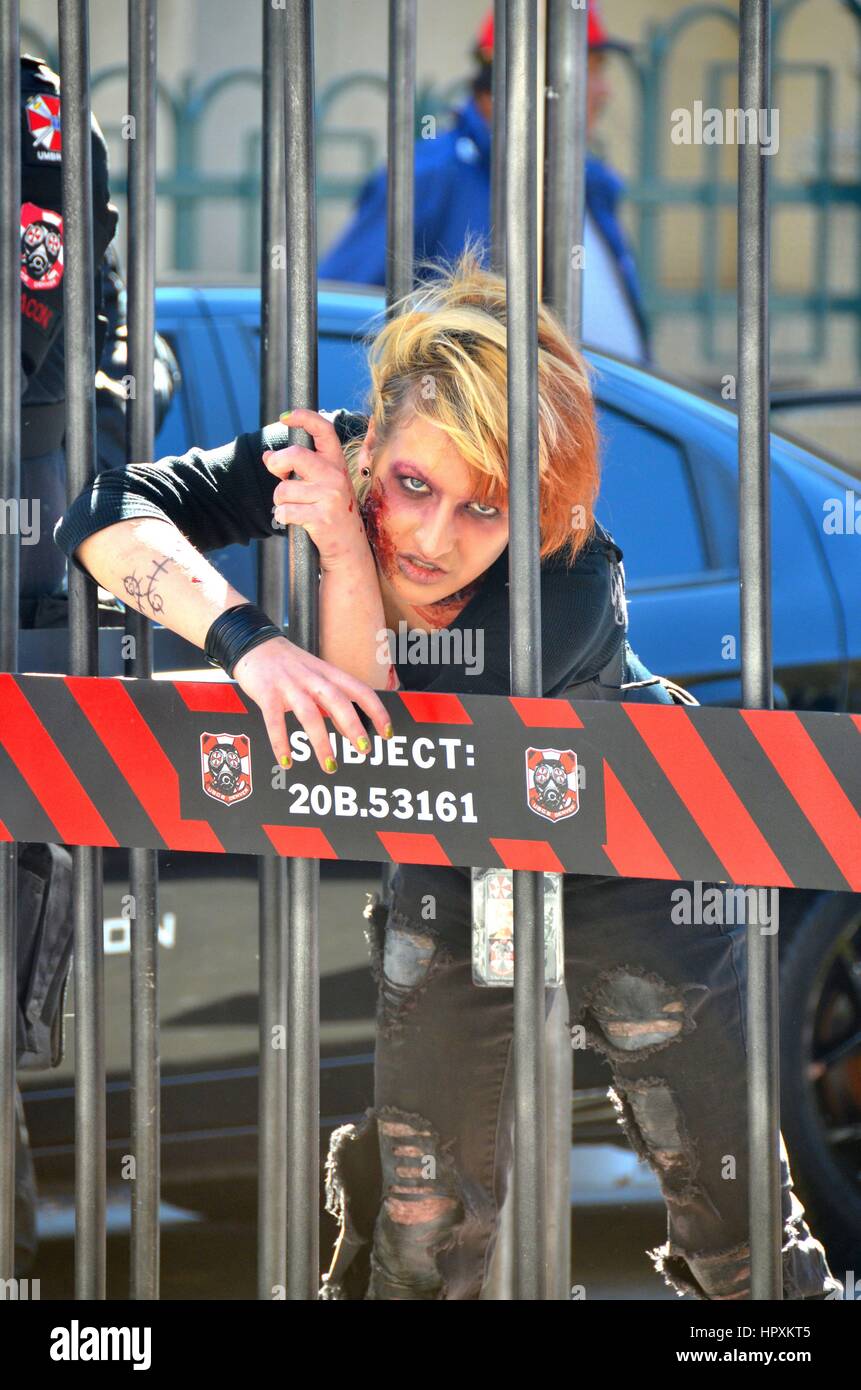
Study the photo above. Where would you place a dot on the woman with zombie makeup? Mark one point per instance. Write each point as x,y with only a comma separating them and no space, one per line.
408,509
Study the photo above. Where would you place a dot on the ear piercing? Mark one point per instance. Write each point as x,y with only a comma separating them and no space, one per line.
365,472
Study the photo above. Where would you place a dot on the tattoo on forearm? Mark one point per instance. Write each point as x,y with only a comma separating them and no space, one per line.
144,591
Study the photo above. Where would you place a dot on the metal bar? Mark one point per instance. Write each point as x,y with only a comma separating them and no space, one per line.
303,971
272,902
565,163
400,206
559,1065
401,117
143,863
564,212
540,103
530,1121
10,309
525,636
8,1121
145,1075
10,487
303,1105
756,647
79,316
497,144
272,557
499,1284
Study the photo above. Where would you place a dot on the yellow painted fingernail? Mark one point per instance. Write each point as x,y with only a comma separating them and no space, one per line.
331,765
388,731
363,744
285,761
285,414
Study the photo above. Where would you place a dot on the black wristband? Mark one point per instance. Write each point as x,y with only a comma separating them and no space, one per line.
235,632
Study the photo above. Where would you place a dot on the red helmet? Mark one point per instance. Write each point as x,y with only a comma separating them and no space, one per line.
597,34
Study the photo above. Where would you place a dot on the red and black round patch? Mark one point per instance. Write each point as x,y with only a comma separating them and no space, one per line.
41,247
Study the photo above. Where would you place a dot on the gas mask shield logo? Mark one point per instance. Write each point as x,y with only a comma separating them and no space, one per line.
225,767
551,782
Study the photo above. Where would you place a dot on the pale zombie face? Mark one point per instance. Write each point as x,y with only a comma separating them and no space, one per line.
226,769
41,247
551,783
431,536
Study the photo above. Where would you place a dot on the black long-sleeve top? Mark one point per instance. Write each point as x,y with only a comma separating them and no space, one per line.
218,497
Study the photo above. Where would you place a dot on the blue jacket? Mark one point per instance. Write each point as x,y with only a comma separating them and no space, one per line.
452,198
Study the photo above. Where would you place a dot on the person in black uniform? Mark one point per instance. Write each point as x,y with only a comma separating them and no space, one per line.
43,409
43,368
408,510
44,872
43,480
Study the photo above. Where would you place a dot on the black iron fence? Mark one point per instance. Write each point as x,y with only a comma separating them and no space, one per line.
288,893
815,178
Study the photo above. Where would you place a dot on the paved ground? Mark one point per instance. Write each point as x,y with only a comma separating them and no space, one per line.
209,982
615,1219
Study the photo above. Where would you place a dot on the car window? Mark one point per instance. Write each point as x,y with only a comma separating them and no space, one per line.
202,411
175,427
344,375
646,500
831,429
342,370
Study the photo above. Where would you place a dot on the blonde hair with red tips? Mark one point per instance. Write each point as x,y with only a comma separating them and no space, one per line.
443,358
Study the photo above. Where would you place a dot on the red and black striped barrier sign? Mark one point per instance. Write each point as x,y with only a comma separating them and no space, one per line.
770,798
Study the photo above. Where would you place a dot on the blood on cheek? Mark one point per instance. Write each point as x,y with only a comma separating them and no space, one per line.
375,516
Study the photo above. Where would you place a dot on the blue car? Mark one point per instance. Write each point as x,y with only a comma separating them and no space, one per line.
669,498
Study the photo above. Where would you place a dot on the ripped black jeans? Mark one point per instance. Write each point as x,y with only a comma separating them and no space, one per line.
417,1186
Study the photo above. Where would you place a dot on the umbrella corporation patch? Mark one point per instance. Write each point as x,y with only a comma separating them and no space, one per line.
41,247
45,128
